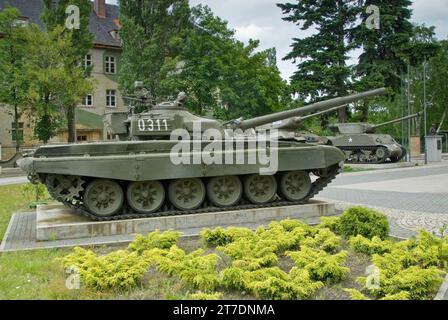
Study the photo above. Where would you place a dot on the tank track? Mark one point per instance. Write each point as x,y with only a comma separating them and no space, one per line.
354,149
317,186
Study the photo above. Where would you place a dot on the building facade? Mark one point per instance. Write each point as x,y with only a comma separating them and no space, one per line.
104,57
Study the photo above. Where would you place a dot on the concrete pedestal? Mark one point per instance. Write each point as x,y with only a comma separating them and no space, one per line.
56,222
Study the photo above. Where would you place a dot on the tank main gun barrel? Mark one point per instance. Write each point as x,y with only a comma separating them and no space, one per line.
294,122
319,106
376,126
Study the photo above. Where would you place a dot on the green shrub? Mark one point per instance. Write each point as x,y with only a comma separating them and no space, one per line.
194,269
321,265
364,221
117,270
417,282
356,294
153,240
251,255
205,296
271,283
402,295
332,223
222,237
324,239
369,247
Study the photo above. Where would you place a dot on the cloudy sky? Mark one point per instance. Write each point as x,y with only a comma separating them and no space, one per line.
261,19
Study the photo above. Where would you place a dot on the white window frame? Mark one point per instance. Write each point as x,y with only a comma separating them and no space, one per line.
88,60
110,64
85,101
111,98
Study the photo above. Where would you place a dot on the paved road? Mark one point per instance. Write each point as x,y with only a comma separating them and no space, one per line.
421,189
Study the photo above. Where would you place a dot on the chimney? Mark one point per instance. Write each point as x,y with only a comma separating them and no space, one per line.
100,8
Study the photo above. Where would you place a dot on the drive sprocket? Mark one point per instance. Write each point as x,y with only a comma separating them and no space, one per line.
64,188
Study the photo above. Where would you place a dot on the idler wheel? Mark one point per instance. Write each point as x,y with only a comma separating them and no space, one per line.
260,189
224,191
186,194
103,198
146,196
295,185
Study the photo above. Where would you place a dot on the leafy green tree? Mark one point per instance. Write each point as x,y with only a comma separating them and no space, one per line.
13,85
54,80
222,75
152,33
81,39
322,70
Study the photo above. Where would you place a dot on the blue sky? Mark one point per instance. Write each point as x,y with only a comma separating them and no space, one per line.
261,19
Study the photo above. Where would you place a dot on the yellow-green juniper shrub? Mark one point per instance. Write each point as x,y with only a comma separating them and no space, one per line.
369,247
324,239
332,223
364,221
117,270
205,296
156,239
321,265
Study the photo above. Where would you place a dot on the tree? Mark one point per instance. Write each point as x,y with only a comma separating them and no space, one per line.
81,39
55,81
322,71
382,62
438,84
222,75
152,32
13,85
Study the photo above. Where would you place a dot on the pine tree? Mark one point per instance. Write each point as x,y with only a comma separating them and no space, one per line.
55,16
322,71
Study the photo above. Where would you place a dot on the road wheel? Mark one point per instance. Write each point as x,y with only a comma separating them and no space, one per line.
224,191
186,194
260,189
295,185
146,196
103,198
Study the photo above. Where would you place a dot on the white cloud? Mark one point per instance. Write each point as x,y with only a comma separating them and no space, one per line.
251,31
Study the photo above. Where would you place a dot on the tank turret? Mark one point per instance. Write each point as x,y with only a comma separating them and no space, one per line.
159,121
361,127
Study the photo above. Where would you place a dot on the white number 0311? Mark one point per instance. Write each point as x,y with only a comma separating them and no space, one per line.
152,125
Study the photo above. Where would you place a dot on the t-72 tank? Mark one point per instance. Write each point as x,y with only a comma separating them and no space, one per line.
161,166
361,145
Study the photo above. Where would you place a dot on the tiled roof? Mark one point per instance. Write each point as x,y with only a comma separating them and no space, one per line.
99,27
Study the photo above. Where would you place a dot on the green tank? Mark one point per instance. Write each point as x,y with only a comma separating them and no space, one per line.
361,145
140,175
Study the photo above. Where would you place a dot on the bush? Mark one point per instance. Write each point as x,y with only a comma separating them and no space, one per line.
194,269
324,239
332,223
364,221
205,296
117,270
271,283
321,265
221,237
369,247
153,240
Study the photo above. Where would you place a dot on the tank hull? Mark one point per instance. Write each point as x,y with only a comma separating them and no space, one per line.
126,163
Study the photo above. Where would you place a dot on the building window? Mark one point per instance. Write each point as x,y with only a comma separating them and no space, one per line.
82,138
110,64
110,98
88,101
87,60
17,133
